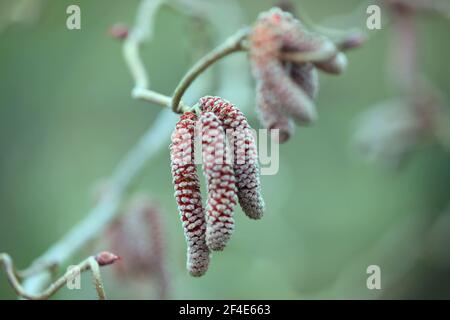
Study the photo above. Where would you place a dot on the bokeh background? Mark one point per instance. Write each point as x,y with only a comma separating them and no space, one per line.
67,118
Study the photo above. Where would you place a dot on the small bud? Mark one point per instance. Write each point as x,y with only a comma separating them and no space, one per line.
105,258
118,31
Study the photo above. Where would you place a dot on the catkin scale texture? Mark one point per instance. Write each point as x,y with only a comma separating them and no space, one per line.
291,99
305,76
187,193
274,32
270,115
284,90
220,181
244,153
263,51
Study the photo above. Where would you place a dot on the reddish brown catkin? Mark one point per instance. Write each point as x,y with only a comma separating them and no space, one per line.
220,182
291,98
245,155
188,196
270,116
335,65
264,47
138,237
274,32
305,76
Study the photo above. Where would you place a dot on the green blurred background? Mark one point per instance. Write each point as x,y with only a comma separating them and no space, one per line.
66,119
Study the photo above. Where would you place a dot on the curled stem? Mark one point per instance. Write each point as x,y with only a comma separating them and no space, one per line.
143,31
38,275
92,264
155,97
236,43
231,45
88,264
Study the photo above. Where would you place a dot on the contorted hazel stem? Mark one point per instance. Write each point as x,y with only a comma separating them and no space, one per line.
287,90
245,157
187,194
220,181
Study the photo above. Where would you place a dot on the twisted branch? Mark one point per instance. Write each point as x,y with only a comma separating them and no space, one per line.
237,43
37,278
89,264
231,45
131,165
143,31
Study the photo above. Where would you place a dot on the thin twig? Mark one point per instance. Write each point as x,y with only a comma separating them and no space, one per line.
236,43
88,264
106,209
96,277
230,81
232,44
143,31
38,276
151,96
147,147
